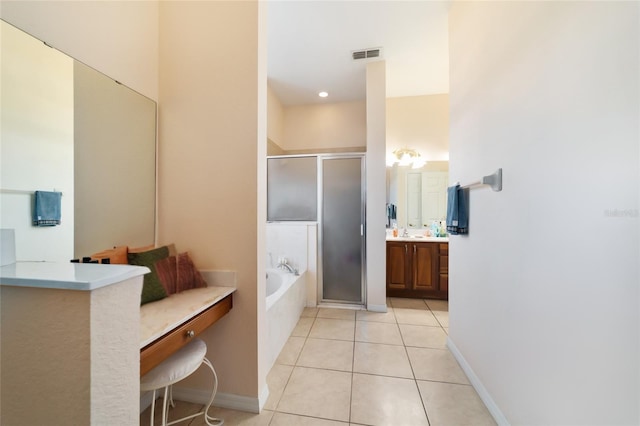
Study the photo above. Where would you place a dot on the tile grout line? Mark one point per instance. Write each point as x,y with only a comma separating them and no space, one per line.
415,381
295,364
353,361
307,416
351,391
424,405
355,320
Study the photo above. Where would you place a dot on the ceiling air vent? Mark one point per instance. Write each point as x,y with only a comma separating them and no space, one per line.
366,54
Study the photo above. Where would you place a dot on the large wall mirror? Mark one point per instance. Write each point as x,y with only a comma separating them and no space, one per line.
66,127
419,195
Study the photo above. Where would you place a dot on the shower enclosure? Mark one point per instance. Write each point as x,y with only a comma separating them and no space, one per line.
328,189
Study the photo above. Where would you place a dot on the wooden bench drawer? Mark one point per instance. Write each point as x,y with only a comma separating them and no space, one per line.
157,351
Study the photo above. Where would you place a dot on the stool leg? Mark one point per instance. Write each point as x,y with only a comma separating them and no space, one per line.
207,418
153,406
164,407
171,403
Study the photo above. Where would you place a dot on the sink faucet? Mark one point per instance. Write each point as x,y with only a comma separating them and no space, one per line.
405,233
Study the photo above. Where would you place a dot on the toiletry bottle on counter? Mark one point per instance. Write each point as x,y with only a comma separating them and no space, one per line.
435,229
443,228
395,229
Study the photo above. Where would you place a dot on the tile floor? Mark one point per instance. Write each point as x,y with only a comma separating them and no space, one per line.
342,367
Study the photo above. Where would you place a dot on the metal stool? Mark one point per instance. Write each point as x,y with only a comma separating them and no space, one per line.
173,369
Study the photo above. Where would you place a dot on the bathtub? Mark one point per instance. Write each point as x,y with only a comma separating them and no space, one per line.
286,299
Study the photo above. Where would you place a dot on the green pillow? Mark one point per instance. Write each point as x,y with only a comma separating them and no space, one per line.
152,288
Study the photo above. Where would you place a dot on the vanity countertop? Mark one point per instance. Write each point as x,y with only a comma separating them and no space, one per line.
67,276
419,238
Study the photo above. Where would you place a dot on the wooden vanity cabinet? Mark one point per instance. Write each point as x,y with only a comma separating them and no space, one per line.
444,267
399,266
417,269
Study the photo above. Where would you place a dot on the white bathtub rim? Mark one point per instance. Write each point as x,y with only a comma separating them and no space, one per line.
274,280
286,282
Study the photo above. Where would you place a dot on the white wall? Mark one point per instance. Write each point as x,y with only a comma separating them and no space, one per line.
543,292
332,125
118,38
275,118
376,185
420,123
37,143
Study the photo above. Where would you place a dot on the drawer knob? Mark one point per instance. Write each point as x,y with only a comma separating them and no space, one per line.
191,333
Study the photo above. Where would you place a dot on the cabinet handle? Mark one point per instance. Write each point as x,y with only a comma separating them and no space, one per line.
405,249
191,334
414,249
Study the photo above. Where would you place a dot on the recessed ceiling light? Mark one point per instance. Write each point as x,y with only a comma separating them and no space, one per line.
323,94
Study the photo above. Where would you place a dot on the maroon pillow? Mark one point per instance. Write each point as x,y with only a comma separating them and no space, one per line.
188,276
167,270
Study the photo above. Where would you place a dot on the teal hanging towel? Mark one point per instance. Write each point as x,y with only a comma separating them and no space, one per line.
47,208
457,214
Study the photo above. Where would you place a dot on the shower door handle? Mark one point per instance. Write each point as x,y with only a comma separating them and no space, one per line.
361,230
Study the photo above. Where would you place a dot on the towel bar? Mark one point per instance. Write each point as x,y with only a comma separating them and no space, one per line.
21,191
493,180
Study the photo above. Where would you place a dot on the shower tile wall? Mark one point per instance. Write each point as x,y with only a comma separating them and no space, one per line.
289,240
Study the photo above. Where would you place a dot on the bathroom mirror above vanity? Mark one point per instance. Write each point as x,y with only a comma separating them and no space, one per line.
420,195
68,128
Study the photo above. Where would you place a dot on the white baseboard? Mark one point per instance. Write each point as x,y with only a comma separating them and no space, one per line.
477,385
223,400
377,308
264,395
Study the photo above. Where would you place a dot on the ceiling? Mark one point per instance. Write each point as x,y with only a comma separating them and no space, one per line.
310,45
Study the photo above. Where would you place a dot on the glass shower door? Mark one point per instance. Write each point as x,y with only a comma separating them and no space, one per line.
342,229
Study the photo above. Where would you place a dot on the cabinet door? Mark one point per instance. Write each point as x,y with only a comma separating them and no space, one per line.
444,267
398,266
426,269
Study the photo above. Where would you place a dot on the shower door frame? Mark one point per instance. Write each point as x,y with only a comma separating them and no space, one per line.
363,231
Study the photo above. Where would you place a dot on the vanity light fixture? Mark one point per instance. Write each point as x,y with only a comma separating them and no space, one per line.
407,157
323,94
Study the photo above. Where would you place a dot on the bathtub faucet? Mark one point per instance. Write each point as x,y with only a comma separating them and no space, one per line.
284,265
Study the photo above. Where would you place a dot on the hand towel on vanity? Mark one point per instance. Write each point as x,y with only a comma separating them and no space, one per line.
47,208
388,215
457,215
391,213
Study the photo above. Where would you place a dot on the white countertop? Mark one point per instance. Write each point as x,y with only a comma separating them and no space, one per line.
159,317
420,239
67,276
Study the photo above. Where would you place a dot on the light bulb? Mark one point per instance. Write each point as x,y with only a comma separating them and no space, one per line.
405,159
